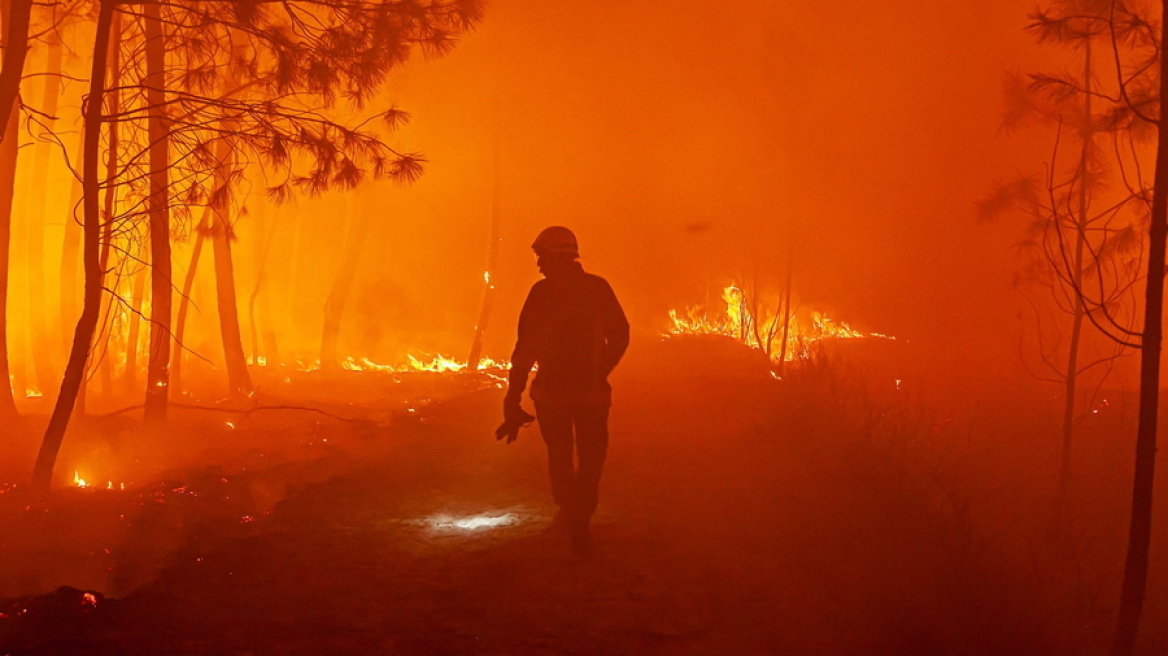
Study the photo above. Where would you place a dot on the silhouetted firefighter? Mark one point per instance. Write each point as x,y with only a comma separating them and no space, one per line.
573,327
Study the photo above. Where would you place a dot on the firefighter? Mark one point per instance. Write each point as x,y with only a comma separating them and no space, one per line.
573,327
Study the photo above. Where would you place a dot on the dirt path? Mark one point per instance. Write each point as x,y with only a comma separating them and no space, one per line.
363,564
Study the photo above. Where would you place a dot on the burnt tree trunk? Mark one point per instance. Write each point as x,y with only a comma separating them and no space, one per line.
42,475
8,157
1135,571
16,17
184,302
238,378
158,209
110,199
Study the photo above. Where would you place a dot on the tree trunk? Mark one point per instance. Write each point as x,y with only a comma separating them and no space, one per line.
238,378
263,245
8,156
42,346
132,334
184,302
334,308
1135,571
157,206
17,14
113,105
476,346
87,324
1072,372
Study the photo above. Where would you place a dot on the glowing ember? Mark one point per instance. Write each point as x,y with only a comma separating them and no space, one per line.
446,522
78,481
89,599
783,335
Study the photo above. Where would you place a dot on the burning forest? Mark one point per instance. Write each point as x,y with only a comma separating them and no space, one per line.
447,326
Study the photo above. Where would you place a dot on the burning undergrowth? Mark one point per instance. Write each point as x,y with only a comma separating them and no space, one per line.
779,327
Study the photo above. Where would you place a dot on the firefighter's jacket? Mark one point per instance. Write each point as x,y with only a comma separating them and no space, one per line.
574,329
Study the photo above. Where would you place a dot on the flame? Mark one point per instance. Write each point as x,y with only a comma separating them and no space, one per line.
81,483
753,326
433,363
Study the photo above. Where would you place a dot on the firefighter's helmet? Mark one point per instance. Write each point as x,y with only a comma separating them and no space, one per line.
556,240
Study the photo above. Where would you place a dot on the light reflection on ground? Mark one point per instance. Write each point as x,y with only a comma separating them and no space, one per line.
473,523
465,527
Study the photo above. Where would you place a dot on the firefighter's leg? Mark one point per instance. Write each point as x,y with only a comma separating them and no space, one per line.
591,447
555,425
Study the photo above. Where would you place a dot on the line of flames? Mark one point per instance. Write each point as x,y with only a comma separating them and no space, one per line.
425,363
763,331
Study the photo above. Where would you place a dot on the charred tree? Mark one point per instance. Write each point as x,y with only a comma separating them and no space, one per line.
1135,571
17,15
91,309
158,210
1082,232
184,302
110,194
9,149
8,156
222,234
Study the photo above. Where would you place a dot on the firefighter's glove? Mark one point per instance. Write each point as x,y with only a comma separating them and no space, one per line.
514,418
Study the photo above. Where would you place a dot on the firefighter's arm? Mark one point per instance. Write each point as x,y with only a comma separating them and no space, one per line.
616,331
523,357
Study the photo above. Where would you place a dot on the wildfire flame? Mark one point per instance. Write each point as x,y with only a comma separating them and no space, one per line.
415,363
81,483
744,320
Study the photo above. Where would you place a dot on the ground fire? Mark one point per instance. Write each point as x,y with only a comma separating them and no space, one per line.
786,334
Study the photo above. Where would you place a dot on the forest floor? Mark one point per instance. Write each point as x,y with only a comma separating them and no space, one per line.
731,522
